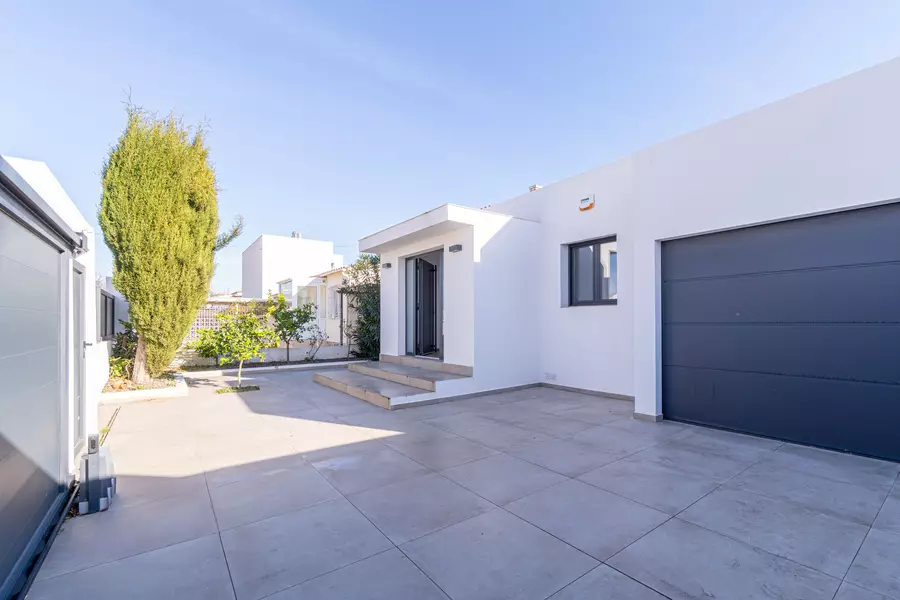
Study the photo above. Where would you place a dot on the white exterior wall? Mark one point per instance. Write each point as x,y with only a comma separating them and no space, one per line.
251,270
587,347
831,148
506,303
827,149
490,302
459,323
274,258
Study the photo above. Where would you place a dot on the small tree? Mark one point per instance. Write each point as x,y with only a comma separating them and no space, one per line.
289,323
363,289
240,336
316,338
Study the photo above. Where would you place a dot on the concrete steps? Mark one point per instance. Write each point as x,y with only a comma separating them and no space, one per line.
390,383
378,391
425,379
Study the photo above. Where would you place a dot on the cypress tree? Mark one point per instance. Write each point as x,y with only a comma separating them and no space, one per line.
159,216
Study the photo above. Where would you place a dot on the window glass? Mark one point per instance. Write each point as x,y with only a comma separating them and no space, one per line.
306,295
107,321
285,288
584,274
613,274
593,272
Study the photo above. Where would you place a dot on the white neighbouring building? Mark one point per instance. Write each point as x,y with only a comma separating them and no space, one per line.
289,265
744,276
53,357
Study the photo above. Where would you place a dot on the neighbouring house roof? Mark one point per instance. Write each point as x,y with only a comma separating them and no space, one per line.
331,272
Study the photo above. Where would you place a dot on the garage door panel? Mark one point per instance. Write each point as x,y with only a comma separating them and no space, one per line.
849,238
26,331
789,330
849,416
26,288
838,295
851,352
31,444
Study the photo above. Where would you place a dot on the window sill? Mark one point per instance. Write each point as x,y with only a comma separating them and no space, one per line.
593,303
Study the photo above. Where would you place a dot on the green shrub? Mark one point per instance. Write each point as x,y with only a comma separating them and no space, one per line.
120,366
363,289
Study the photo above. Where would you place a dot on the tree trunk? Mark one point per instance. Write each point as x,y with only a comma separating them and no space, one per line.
240,368
289,350
139,373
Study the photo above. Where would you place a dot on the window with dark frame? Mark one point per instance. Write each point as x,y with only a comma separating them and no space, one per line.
107,321
593,272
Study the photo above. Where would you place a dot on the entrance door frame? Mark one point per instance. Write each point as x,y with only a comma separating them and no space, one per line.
414,348
79,350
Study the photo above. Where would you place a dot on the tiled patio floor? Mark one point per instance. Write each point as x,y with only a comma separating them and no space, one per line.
299,492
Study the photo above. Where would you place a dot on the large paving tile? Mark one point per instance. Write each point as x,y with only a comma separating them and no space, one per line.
889,516
390,425
848,468
132,490
853,502
125,531
596,522
726,443
258,498
546,423
849,591
194,569
605,582
652,431
612,441
566,456
817,540
697,461
441,409
410,509
440,451
368,469
502,479
657,484
599,411
487,431
146,455
877,566
497,556
238,463
274,554
683,561
311,438
386,576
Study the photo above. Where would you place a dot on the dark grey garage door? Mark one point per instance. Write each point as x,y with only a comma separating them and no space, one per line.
30,400
790,330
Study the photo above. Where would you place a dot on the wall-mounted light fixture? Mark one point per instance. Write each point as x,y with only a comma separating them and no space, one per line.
386,266
456,248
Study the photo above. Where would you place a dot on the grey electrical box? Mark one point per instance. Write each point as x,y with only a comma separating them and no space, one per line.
98,478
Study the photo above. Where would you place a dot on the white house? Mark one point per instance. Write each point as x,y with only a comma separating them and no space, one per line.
53,358
745,276
333,310
288,265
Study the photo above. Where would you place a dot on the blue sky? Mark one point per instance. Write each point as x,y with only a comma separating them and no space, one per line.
339,118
